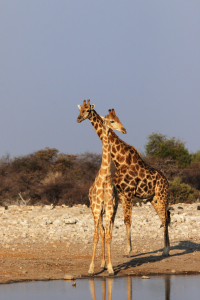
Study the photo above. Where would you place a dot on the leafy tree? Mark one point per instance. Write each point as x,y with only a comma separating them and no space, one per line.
160,146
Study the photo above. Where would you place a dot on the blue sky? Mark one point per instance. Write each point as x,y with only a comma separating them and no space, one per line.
140,57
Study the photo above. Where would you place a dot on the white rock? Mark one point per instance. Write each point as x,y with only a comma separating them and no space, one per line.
70,221
45,224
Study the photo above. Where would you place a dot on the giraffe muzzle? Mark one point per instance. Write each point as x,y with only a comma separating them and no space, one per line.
123,130
79,120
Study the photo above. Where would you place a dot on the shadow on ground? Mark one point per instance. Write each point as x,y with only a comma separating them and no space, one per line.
137,260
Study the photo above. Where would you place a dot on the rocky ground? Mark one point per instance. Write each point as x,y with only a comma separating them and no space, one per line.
42,242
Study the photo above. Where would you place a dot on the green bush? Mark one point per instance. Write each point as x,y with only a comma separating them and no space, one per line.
159,146
196,158
181,192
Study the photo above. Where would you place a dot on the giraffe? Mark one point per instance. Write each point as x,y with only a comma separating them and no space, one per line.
102,195
133,177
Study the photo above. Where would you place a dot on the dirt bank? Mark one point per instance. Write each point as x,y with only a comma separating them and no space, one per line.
48,261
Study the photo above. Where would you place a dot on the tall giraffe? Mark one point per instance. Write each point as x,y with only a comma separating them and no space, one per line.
133,177
102,194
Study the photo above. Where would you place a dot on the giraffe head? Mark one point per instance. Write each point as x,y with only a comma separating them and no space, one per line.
113,122
85,111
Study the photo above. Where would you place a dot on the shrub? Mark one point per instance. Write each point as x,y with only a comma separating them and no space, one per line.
191,175
196,158
47,176
181,192
172,149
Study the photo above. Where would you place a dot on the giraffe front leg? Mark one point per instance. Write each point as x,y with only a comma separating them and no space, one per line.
102,233
108,242
109,226
95,241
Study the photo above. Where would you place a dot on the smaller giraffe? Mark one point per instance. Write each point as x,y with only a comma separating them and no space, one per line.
102,194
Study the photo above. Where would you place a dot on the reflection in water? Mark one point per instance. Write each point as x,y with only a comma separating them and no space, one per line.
103,281
129,288
167,287
156,288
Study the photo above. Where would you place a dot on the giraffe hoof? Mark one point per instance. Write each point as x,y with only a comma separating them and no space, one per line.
110,272
103,266
91,271
165,254
127,255
166,251
127,252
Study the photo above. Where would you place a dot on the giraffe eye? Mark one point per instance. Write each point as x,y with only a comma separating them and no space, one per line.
88,110
112,121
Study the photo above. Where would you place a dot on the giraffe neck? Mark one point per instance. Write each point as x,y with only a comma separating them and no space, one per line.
97,123
106,157
118,147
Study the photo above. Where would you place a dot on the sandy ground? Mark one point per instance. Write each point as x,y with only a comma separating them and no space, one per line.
25,262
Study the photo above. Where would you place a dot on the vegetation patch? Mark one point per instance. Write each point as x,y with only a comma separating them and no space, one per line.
49,177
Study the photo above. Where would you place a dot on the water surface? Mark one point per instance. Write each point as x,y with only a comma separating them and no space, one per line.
163,287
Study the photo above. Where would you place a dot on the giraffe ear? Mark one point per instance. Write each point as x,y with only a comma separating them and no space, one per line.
103,118
79,106
92,106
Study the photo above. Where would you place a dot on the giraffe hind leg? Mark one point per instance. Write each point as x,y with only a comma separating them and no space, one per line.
161,209
166,235
127,210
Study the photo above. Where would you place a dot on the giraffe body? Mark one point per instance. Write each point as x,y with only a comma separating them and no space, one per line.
102,195
133,177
